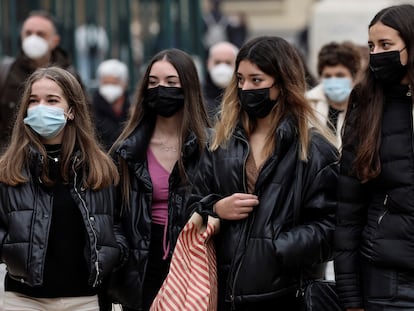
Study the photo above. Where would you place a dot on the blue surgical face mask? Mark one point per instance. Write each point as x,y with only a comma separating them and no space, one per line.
337,89
47,121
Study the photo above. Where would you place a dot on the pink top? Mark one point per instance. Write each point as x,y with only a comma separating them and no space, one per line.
159,176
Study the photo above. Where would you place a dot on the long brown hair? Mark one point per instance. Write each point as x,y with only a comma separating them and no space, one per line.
279,59
98,169
194,116
370,97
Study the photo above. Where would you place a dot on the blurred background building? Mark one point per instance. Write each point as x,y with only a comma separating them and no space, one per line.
133,30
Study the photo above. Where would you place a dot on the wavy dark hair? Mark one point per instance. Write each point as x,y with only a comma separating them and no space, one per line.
344,53
369,96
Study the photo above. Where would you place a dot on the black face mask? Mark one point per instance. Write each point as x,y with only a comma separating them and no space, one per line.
164,101
387,67
257,102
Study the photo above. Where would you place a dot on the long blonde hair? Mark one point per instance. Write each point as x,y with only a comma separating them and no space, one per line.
98,169
279,59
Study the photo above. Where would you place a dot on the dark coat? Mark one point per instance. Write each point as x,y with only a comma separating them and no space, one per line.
376,219
127,284
261,257
25,216
212,97
108,125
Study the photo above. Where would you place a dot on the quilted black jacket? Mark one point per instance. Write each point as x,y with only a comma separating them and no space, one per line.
262,256
25,216
126,286
376,219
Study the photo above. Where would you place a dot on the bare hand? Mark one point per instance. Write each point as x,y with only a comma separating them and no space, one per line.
237,206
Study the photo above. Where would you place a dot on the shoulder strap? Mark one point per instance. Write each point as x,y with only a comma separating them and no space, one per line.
297,200
297,196
5,66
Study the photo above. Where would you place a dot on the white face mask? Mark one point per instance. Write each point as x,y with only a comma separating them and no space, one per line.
111,92
35,47
221,74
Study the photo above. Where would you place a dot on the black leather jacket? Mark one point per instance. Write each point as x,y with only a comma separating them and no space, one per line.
25,216
261,257
126,286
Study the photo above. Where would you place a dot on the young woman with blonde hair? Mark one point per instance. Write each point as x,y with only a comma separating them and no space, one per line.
270,176
57,201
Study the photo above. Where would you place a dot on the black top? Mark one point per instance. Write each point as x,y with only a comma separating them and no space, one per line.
66,272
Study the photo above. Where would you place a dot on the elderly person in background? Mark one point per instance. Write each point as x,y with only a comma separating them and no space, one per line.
111,102
220,67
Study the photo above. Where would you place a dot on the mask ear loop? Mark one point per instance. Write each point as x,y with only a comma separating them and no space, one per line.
69,114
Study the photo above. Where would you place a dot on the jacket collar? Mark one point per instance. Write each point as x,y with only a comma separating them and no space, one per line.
36,161
59,57
133,149
284,135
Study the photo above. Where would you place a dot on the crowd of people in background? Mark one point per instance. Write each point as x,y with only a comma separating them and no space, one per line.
309,180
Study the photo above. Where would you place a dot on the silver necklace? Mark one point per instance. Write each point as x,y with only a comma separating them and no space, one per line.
167,148
56,159
53,155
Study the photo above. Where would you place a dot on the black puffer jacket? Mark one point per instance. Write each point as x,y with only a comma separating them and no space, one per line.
25,216
262,255
127,284
376,219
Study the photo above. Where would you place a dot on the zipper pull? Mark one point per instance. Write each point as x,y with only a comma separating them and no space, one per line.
97,274
385,209
233,305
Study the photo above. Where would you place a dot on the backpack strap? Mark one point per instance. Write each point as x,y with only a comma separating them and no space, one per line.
5,66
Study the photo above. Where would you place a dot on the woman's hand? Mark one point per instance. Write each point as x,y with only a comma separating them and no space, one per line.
236,207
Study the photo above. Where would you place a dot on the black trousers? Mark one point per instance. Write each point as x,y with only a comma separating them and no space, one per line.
285,303
157,268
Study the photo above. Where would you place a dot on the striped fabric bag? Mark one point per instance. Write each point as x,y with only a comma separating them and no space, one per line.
191,283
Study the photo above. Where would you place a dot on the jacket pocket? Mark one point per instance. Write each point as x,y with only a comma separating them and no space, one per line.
379,283
260,269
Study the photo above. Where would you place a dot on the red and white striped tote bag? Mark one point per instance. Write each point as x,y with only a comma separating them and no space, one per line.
191,283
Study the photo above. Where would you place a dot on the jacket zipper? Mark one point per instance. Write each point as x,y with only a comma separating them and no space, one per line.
232,296
385,209
95,283
244,166
29,258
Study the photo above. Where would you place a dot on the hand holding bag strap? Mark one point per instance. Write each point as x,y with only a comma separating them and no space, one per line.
191,283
